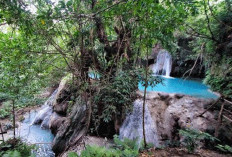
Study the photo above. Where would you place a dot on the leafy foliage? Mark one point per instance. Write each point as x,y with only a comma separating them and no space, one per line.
224,148
125,148
220,83
192,137
23,101
16,148
211,29
115,96
99,151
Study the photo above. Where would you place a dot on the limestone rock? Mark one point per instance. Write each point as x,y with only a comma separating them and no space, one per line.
172,112
72,129
56,121
60,104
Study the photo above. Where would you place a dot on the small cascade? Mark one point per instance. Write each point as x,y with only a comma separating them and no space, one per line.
132,127
39,134
34,134
44,114
163,65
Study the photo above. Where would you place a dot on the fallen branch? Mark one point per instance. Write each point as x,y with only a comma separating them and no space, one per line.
210,107
228,111
228,101
227,118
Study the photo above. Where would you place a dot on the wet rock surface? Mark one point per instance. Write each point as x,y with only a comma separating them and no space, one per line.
60,104
72,129
171,112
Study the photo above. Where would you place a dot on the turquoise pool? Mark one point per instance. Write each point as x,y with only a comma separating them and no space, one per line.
177,85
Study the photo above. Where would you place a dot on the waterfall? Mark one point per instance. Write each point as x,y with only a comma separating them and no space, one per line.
163,65
132,127
44,114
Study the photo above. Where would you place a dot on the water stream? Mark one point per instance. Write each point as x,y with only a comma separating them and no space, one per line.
132,127
35,129
34,134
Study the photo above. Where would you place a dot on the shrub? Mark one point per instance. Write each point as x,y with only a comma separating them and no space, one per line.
100,152
191,137
125,148
16,148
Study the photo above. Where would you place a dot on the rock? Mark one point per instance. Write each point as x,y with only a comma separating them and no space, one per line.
45,122
180,68
21,118
7,126
43,116
163,96
178,96
72,129
44,112
63,95
187,110
171,112
61,108
56,121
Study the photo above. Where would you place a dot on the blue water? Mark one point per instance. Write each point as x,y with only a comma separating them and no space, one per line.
93,75
177,85
34,134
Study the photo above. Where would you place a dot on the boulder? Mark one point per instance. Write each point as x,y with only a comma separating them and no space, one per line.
72,129
170,113
56,121
63,95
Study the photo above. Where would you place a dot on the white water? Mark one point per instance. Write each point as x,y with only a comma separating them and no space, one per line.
132,127
163,65
35,129
34,134
44,114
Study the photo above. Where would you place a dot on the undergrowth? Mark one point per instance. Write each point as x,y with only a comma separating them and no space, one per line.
6,106
125,148
16,148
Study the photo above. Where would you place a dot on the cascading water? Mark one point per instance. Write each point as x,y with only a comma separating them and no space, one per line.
163,65
34,134
43,116
39,134
132,127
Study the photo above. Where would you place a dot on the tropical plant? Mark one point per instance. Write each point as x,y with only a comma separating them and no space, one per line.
125,148
193,137
16,148
224,148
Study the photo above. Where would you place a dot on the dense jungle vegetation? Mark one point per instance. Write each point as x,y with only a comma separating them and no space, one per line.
42,41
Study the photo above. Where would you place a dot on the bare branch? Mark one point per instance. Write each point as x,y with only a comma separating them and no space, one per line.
208,23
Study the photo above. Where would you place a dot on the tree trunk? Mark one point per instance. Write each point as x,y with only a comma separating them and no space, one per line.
13,110
144,101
